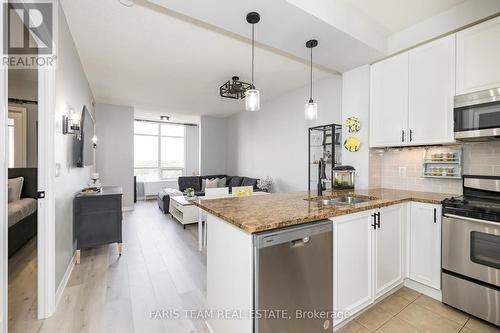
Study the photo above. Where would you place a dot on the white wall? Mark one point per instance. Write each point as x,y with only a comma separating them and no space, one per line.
213,145
356,103
115,148
26,89
273,141
72,91
192,150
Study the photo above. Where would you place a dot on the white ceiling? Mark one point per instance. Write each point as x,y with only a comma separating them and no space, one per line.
150,58
171,56
396,15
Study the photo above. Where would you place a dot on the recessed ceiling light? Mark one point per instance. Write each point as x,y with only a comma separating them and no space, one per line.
127,3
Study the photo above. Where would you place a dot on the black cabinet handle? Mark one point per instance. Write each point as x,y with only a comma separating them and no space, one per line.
378,215
374,225
402,135
411,135
435,215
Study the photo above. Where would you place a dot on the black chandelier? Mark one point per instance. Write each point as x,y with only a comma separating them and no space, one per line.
234,88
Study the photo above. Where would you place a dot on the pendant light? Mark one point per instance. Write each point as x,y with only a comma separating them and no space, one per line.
311,111
252,95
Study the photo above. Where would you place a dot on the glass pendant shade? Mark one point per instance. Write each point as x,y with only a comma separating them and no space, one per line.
252,100
311,111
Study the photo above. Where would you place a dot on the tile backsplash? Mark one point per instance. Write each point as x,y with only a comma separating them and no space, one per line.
479,158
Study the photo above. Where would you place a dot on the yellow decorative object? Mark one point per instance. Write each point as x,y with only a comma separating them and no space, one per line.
243,191
353,124
352,144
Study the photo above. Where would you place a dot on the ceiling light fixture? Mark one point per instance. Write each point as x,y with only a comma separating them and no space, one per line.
311,111
252,95
165,118
234,88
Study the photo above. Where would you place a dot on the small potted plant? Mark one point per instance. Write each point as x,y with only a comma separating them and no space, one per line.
189,192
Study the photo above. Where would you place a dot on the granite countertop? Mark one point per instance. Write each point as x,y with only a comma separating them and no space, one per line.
277,210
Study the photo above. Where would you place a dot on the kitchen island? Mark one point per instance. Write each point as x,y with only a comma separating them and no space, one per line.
376,249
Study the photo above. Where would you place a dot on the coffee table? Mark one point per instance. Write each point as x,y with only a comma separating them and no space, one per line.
183,210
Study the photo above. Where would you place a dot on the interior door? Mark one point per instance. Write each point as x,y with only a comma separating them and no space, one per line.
431,92
425,244
388,249
389,102
17,137
352,262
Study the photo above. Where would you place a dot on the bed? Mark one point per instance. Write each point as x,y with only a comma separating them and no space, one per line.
22,219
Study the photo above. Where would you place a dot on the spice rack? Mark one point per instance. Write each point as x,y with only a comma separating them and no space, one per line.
443,163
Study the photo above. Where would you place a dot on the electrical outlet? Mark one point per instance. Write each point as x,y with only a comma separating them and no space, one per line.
402,171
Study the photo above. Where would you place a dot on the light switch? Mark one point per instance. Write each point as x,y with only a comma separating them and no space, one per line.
402,171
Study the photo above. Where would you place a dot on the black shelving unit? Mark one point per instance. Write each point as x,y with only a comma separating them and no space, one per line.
324,142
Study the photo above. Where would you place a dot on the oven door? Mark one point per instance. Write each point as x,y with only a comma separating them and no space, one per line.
477,115
471,248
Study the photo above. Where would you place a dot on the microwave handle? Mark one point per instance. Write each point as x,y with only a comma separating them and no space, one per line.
496,224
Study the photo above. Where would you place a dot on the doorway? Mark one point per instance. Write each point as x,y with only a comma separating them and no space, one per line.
22,147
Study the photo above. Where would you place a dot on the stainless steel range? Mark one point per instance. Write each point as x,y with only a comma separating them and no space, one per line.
471,249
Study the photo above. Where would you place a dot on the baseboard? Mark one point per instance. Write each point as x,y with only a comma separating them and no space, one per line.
422,288
127,208
65,279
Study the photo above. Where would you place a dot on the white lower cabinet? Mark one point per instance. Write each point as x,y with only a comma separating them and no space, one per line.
388,249
425,244
368,259
352,262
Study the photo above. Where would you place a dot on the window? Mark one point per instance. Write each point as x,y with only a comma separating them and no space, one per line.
158,150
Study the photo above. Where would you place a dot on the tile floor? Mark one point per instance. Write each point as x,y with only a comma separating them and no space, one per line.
409,311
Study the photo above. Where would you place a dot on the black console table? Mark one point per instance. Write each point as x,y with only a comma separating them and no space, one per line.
98,219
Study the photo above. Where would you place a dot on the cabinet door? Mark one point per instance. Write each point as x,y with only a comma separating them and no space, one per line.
431,92
352,257
389,102
425,244
388,249
478,49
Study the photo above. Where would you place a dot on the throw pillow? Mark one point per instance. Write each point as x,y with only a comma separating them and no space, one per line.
221,182
203,184
211,183
235,181
15,186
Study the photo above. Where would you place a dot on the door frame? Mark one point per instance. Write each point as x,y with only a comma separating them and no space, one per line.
46,207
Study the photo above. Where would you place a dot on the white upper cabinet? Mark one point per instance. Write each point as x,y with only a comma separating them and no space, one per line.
388,249
478,54
431,92
425,244
389,102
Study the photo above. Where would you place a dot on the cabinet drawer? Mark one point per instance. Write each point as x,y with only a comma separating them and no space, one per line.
98,228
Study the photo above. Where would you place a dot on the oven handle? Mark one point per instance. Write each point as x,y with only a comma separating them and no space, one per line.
496,224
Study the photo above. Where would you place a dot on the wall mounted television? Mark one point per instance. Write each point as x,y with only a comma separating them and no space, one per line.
84,155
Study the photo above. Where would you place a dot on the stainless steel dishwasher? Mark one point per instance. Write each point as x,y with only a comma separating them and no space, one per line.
294,274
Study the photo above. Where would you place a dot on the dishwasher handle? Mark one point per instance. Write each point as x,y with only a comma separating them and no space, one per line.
300,242
294,236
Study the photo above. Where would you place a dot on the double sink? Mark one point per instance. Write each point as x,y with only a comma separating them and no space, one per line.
345,200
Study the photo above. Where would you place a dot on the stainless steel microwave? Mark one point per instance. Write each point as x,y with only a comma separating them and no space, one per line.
477,115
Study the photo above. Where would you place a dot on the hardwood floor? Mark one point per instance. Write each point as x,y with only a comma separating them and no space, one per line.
160,269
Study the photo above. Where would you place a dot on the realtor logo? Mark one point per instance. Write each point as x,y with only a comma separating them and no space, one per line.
29,33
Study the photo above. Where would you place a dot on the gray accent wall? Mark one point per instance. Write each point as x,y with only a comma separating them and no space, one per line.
213,146
72,92
273,141
115,148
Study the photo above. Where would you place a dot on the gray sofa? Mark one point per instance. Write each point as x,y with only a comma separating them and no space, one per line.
195,182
